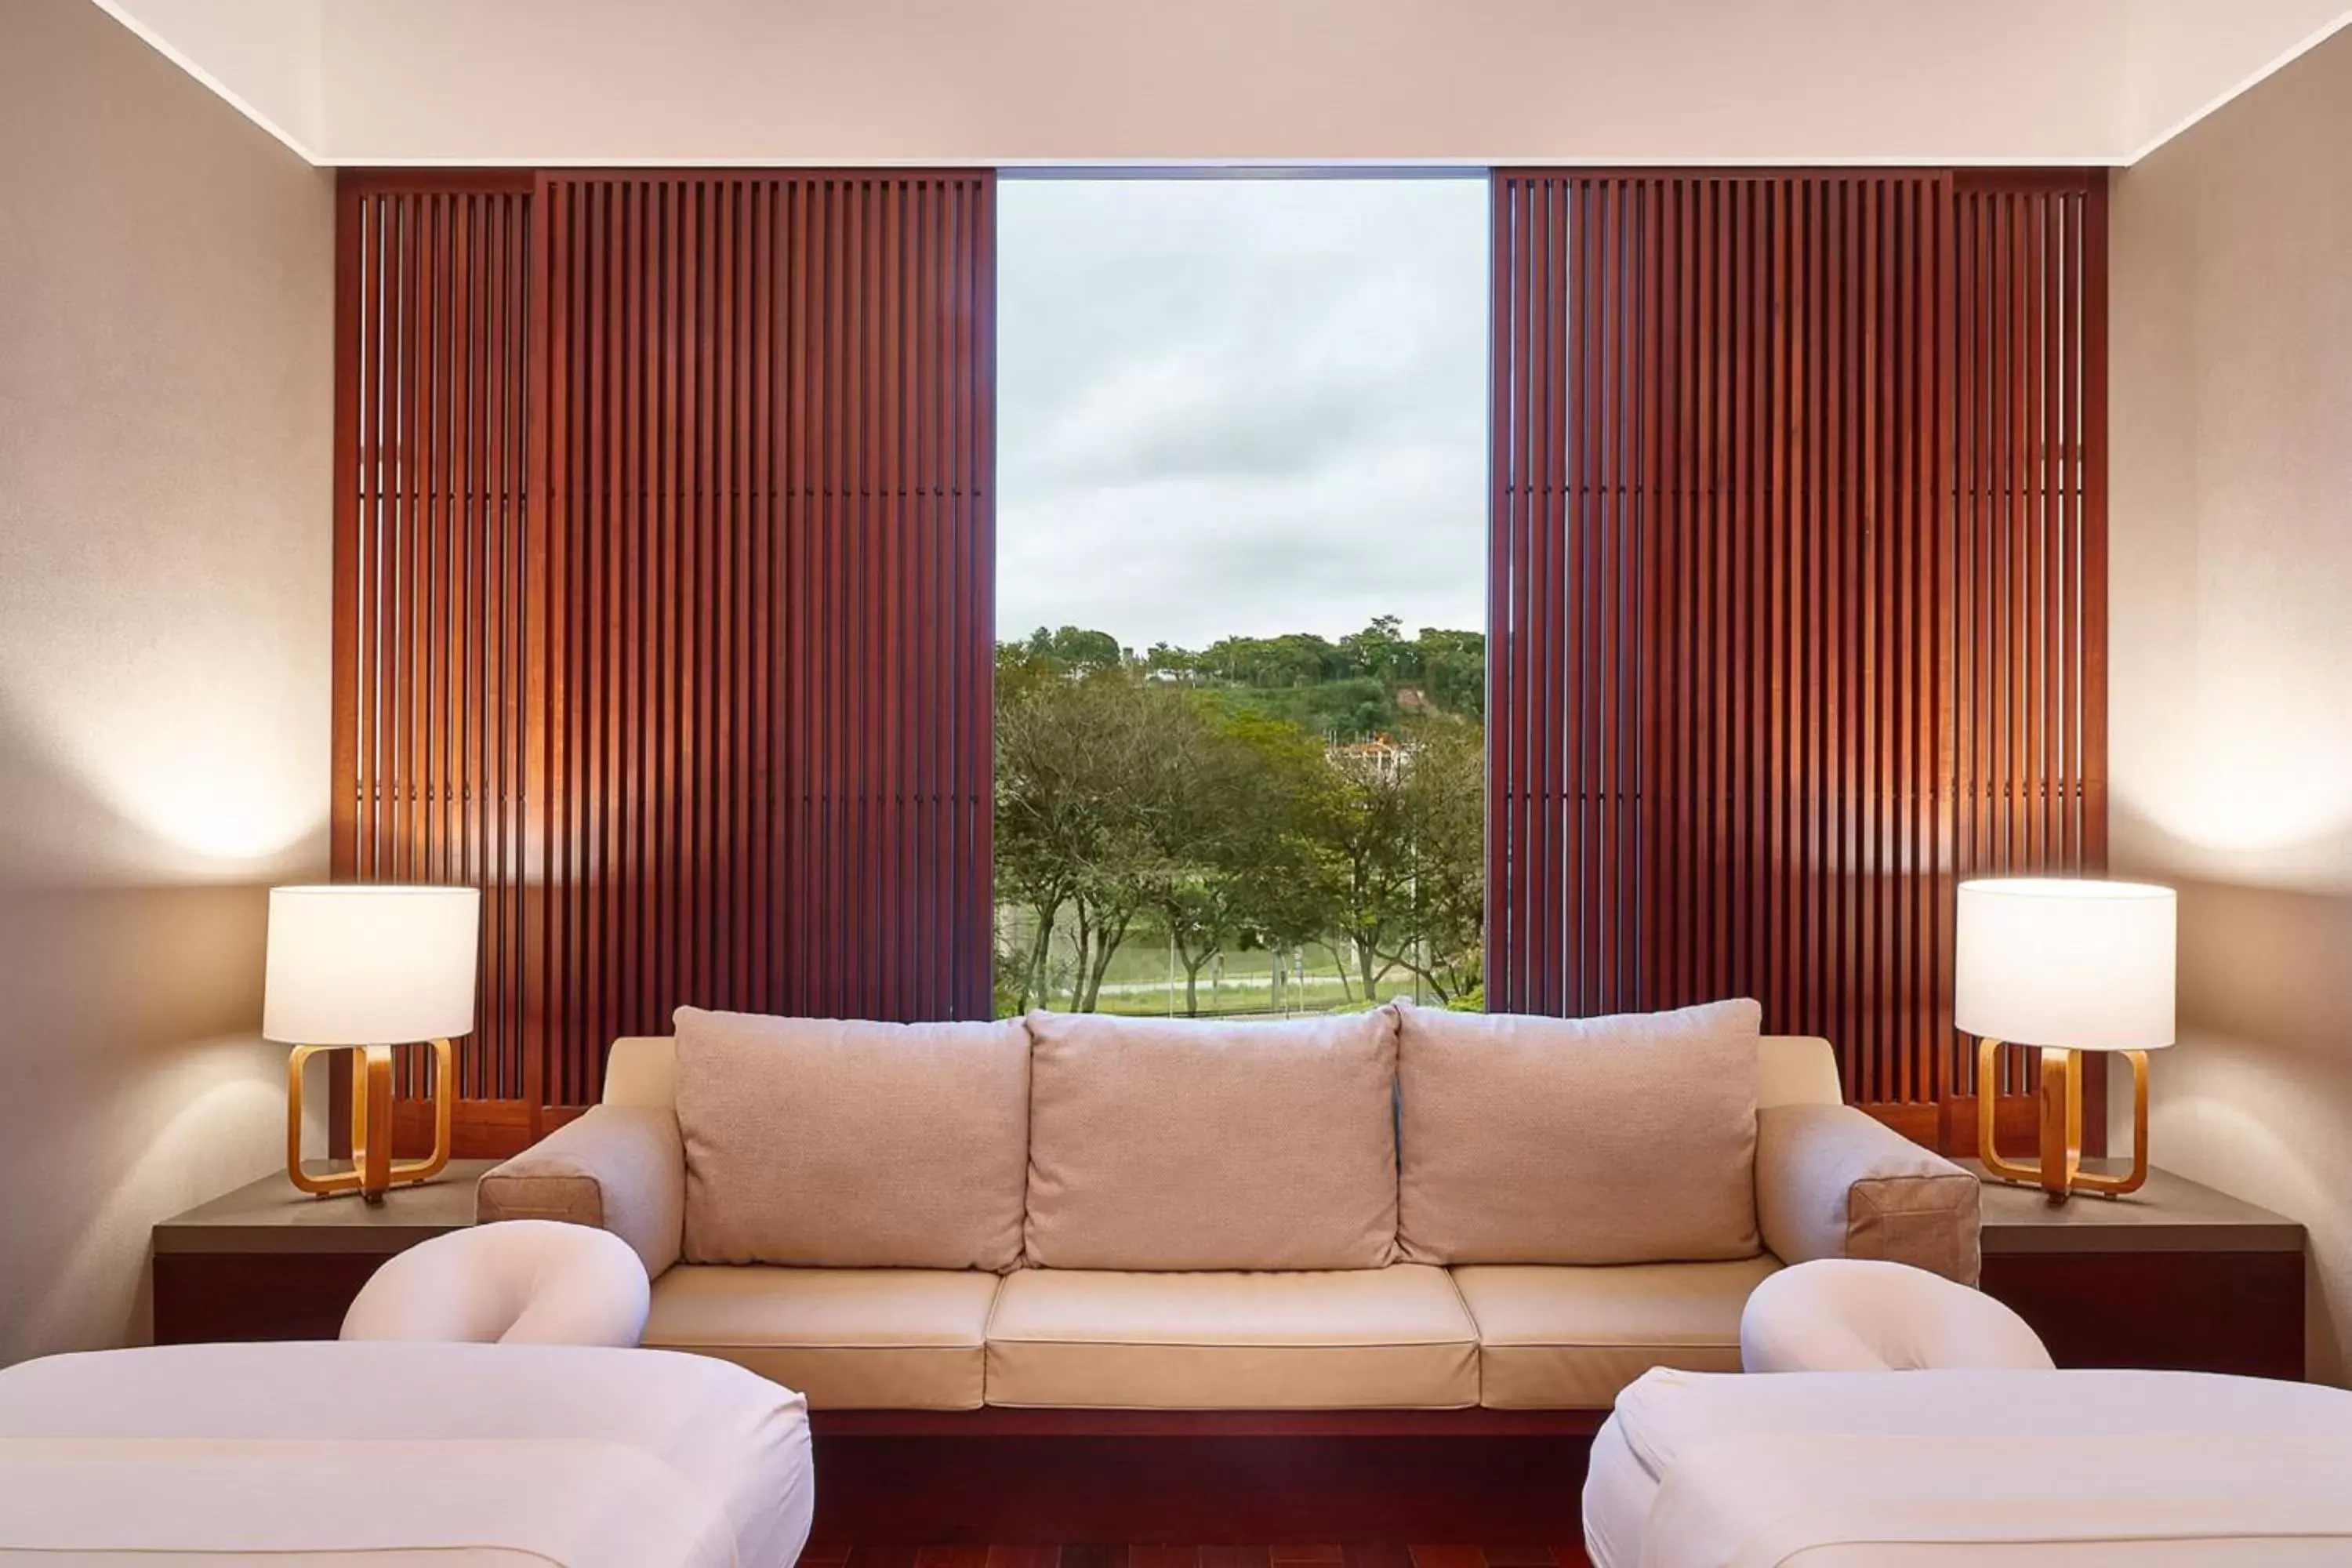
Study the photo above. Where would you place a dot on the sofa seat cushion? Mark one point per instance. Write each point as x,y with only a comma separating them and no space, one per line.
1371,1337
1569,1337
849,1339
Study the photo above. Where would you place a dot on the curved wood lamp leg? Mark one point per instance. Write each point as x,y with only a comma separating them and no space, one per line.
1988,1094
373,1170
445,1093
2132,1180
2060,1096
2060,1105
317,1187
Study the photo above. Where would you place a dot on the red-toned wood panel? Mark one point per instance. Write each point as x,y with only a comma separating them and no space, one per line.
663,596
1776,654
432,526
770,604
2029,665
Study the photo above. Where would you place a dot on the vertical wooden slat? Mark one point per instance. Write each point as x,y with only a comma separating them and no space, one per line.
1797,596
356,253
539,571
1503,967
2089,472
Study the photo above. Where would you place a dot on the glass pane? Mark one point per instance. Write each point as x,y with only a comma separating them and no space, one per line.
1241,590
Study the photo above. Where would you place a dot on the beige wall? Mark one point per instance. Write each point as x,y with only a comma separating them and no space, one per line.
165,393
2231,657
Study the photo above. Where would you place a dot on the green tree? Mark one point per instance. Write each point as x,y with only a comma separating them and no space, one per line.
1452,672
1405,828
1204,793
1241,866
1294,658
1360,817
1444,811
1378,652
1082,780
1174,660
1076,649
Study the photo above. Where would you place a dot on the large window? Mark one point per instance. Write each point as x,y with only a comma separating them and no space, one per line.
1241,587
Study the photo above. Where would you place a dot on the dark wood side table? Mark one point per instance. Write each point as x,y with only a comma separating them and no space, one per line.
2176,1276
266,1262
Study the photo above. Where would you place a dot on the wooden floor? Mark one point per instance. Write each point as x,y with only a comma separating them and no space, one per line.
1374,1556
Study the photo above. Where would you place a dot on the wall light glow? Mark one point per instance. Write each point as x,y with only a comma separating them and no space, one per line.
204,766
2247,773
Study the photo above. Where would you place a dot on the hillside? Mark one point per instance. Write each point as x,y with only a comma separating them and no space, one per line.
1364,684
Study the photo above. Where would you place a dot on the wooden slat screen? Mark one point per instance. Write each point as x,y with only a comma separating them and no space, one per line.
664,595
1753,590
434,536
2029,669
770,602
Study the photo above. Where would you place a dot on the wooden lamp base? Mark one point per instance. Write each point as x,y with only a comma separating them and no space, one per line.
2060,1099
374,1170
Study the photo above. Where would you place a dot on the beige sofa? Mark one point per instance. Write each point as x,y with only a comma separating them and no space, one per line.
1394,1209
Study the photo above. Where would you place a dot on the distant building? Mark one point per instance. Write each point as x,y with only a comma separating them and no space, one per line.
1378,759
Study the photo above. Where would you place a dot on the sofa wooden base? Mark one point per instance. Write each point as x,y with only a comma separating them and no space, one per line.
892,1478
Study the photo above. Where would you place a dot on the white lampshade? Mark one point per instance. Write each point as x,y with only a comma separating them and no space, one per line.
2080,965
370,965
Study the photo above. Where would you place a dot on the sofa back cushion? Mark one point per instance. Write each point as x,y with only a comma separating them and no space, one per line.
836,1144
1624,1139
1190,1144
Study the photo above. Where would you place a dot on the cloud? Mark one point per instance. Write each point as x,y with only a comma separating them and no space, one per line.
1240,405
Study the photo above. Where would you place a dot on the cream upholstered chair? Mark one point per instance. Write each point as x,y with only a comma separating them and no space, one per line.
521,1281
1853,1314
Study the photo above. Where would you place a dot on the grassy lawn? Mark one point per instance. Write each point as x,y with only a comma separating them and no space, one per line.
1147,980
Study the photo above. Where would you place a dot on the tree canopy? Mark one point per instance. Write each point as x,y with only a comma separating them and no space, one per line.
1351,690
1264,793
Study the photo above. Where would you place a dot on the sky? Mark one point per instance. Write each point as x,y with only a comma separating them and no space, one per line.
1240,407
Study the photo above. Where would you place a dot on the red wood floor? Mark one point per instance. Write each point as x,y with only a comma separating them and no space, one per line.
1374,1556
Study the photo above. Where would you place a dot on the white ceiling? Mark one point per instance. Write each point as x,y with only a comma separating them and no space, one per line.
1020,83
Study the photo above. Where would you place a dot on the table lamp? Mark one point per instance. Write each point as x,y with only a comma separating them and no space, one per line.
2070,966
365,969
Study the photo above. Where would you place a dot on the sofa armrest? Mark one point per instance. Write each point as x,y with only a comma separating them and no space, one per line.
620,1168
1833,1182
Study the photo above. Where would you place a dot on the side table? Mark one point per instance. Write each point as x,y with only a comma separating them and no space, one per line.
267,1262
2176,1276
